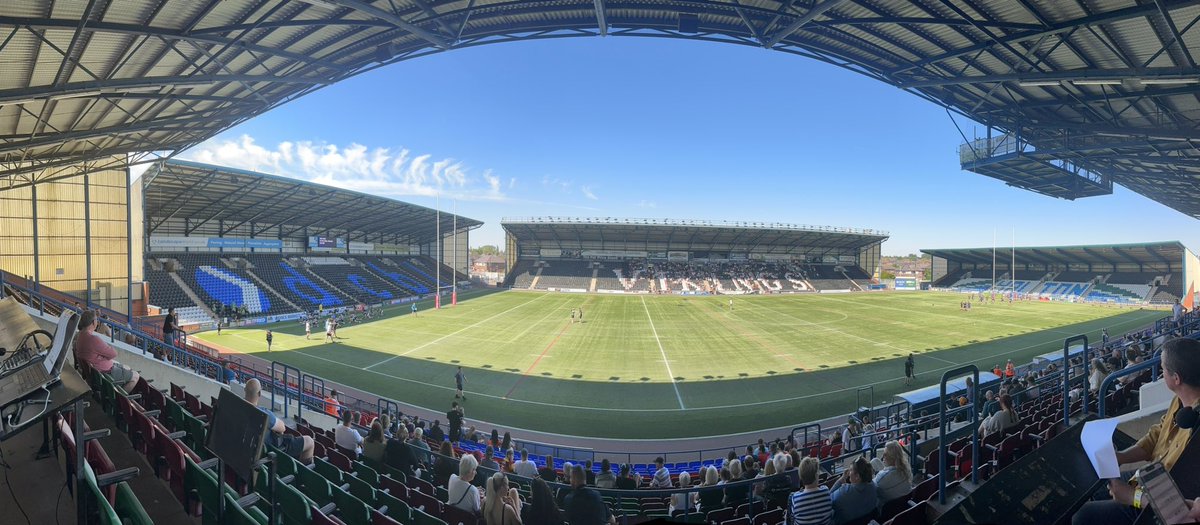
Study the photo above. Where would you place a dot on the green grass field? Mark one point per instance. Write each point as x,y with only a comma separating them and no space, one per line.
673,366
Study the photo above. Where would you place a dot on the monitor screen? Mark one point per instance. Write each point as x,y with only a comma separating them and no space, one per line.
236,433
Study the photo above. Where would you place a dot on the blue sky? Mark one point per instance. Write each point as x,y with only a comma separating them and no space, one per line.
639,127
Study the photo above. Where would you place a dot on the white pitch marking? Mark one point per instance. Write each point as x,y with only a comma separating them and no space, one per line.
670,374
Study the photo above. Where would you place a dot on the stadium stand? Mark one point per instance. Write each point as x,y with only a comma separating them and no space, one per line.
287,280
363,285
392,270
560,274
523,274
213,279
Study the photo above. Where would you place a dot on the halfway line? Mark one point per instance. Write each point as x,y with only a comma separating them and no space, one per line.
670,374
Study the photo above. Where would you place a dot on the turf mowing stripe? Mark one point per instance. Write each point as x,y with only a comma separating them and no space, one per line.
670,374
461,330
829,328
536,361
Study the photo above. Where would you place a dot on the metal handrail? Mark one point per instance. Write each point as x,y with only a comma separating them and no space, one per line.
1113,377
974,370
1067,374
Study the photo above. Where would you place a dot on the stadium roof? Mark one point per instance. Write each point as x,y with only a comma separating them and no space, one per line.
1105,90
1146,254
756,236
205,193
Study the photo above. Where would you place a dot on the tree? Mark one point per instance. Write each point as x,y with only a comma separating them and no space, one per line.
887,275
487,249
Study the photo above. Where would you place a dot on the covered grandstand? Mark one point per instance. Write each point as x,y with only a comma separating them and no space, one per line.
1161,273
271,247
611,255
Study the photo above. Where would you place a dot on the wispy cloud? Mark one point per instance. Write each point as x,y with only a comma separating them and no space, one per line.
378,170
647,204
587,192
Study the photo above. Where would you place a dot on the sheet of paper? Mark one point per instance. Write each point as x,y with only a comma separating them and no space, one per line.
1096,438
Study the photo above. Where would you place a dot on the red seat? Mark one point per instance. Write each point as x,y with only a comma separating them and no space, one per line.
925,489
378,518
394,488
716,517
320,518
455,516
425,502
770,517
177,393
915,515
339,460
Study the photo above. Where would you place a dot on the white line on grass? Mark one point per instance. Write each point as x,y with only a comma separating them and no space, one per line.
693,409
463,329
830,328
670,374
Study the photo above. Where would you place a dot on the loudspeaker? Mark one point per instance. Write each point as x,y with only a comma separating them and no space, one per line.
689,23
385,52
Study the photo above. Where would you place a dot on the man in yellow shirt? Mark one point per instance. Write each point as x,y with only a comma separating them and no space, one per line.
1164,442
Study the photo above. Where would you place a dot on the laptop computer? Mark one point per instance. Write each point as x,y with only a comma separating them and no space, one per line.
43,371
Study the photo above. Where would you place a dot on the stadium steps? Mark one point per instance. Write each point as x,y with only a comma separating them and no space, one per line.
314,275
268,288
536,278
595,274
852,281
192,295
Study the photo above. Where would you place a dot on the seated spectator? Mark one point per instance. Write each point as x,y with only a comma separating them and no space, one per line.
507,466
332,407
854,494
894,480
682,501
91,348
606,479
547,472
444,465
436,433
525,467
299,447
736,495
710,500
583,505
777,487
990,405
502,505
1164,443
628,480
418,440
662,476
813,504
374,445
1002,420
399,454
591,475
489,459
345,436
542,509
459,490
1097,375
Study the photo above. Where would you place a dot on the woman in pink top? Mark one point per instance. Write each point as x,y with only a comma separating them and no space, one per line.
91,348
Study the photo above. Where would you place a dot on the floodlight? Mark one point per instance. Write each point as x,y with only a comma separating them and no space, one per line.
1097,82
1169,81
1038,83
